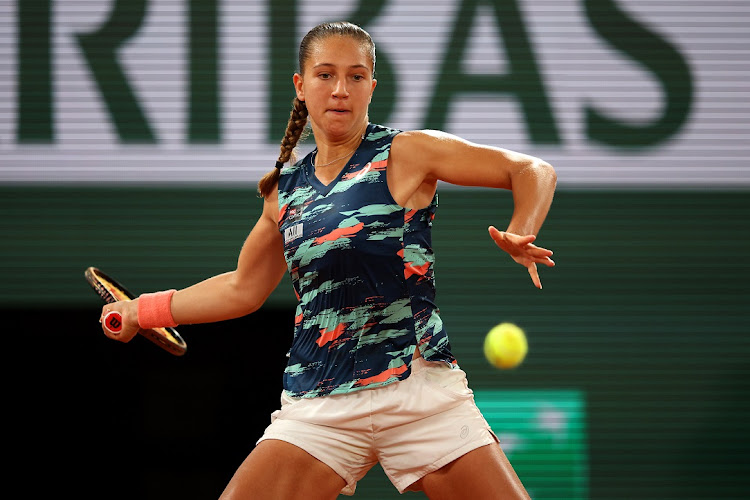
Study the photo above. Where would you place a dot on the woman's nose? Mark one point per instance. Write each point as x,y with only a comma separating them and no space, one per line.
340,90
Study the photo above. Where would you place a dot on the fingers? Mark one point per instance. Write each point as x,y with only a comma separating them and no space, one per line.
541,256
497,236
521,246
523,251
115,324
112,322
534,276
511,238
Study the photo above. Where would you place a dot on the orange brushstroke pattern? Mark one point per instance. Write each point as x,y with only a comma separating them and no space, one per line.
383,376
408,216
339,342
378,165
410,269
342,232
328,336
357,173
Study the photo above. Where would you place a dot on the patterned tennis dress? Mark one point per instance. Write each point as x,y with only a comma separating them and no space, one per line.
362,270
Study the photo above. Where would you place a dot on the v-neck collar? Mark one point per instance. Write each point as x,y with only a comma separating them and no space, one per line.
354,160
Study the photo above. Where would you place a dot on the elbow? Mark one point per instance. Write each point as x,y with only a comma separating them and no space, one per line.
244,297
547,173
243,305
249,301
252,306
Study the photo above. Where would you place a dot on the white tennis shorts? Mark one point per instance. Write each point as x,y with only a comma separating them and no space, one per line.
412,427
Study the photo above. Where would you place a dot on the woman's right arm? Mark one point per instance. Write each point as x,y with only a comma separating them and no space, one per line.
260,267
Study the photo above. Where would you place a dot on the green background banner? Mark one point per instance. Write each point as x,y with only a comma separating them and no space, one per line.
644,316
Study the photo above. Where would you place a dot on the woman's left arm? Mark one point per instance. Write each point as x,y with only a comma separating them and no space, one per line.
434,156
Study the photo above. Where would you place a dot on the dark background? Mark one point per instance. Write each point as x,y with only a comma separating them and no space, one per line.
106,420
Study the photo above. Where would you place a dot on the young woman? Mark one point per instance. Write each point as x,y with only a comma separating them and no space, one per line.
371,377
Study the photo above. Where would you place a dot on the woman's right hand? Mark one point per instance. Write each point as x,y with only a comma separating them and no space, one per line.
128,309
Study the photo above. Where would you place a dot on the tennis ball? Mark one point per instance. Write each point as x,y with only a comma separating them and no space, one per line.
505,346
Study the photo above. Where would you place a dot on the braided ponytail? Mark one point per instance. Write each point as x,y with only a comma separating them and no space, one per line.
294,129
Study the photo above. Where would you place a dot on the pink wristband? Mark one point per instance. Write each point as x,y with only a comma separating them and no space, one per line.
154,310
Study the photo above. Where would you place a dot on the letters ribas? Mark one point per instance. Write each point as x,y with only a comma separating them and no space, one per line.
521,81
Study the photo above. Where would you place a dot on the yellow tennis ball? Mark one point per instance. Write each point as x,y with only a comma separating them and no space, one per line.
505,346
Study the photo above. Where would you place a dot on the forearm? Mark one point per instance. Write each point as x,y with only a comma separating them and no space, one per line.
215,299
533,188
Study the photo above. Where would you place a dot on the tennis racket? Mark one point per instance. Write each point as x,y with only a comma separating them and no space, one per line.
110,290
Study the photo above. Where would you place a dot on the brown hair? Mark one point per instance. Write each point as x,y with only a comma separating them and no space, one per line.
298,115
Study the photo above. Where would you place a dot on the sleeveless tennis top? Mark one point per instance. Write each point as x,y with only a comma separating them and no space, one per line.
362,269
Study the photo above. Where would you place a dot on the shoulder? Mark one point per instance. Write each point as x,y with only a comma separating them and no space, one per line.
290,173
380,134
426,145
271,205
416,138
428,137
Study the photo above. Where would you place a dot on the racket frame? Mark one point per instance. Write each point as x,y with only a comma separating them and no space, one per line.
165,337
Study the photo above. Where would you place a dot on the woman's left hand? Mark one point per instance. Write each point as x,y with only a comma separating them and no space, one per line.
523,251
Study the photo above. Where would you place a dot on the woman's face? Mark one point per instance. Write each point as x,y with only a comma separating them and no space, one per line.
336,85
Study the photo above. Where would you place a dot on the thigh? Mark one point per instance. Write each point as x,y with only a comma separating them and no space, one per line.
277,470
484,473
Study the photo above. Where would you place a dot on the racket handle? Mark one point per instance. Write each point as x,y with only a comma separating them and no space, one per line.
113,322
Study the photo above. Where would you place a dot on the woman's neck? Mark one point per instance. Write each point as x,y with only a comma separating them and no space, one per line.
333,153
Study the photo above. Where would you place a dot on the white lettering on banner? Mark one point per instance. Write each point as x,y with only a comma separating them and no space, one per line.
612,93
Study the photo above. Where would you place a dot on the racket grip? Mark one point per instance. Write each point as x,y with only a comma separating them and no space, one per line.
113,322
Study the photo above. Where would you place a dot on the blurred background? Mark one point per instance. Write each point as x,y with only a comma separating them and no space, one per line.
132,136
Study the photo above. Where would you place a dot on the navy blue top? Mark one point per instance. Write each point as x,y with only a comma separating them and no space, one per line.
362,269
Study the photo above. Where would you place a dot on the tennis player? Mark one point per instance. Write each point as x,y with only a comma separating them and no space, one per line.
371,377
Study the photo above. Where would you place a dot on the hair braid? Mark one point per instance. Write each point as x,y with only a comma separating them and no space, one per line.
294,129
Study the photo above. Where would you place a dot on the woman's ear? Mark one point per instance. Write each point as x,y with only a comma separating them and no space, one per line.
297,79
374,84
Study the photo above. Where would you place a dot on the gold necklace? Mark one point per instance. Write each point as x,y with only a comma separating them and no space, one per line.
334,160
340,157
